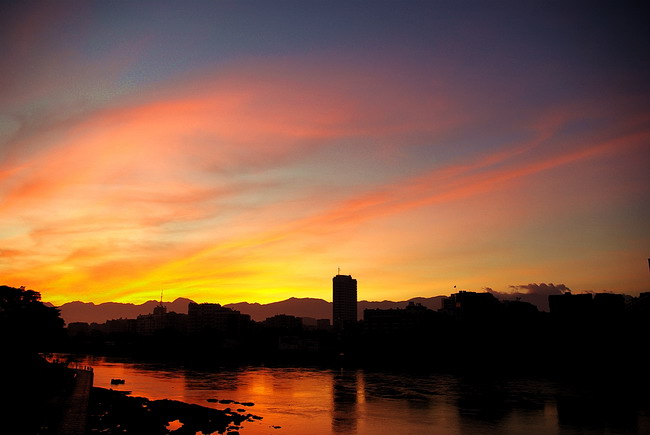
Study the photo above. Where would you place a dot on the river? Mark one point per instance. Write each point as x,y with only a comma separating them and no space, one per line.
318,401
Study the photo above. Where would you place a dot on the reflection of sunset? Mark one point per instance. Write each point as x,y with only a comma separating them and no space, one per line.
343,401
151,385
273,393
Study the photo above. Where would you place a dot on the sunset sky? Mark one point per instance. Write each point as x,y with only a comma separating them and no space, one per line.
231,151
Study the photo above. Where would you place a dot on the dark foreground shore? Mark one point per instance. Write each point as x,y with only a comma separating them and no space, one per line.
39,399
115,412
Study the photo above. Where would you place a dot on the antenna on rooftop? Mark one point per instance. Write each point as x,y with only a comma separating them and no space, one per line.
161,296
338,272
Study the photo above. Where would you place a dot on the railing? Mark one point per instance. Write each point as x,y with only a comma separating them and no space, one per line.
53,359
77,366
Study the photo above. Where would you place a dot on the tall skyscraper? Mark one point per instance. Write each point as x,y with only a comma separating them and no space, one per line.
344,298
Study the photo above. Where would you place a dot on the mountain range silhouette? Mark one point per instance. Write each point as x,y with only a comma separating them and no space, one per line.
300,307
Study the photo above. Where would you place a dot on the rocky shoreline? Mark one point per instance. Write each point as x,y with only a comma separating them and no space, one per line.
115,412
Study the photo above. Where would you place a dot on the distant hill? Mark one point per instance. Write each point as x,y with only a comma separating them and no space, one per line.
299,307
89,312
321,309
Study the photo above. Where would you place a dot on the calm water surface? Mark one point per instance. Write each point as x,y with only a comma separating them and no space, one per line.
324,401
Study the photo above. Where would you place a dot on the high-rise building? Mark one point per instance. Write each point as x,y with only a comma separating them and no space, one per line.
344,298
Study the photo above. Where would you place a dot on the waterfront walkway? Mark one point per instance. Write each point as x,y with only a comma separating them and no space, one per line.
75,410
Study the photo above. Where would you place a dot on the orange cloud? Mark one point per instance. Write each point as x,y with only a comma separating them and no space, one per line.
201,187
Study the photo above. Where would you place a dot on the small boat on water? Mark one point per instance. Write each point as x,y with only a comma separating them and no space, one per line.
117,381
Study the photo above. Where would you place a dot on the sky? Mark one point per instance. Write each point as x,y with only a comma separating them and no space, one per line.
230,151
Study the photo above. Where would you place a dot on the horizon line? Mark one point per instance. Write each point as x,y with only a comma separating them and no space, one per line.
496,293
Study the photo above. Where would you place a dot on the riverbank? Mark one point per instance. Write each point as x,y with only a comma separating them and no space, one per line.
35,393
50,398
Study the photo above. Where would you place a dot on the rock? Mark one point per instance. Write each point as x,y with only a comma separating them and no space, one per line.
115,412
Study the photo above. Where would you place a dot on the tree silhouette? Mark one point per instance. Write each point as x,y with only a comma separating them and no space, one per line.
25,322
28,326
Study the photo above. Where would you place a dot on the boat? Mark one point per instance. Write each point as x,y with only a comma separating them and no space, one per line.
116,381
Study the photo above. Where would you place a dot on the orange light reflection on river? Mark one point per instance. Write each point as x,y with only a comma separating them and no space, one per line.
290,400
274,393
320,401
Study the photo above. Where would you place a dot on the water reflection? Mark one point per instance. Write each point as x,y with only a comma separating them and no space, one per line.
358,402
198,381
346,388
613,410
